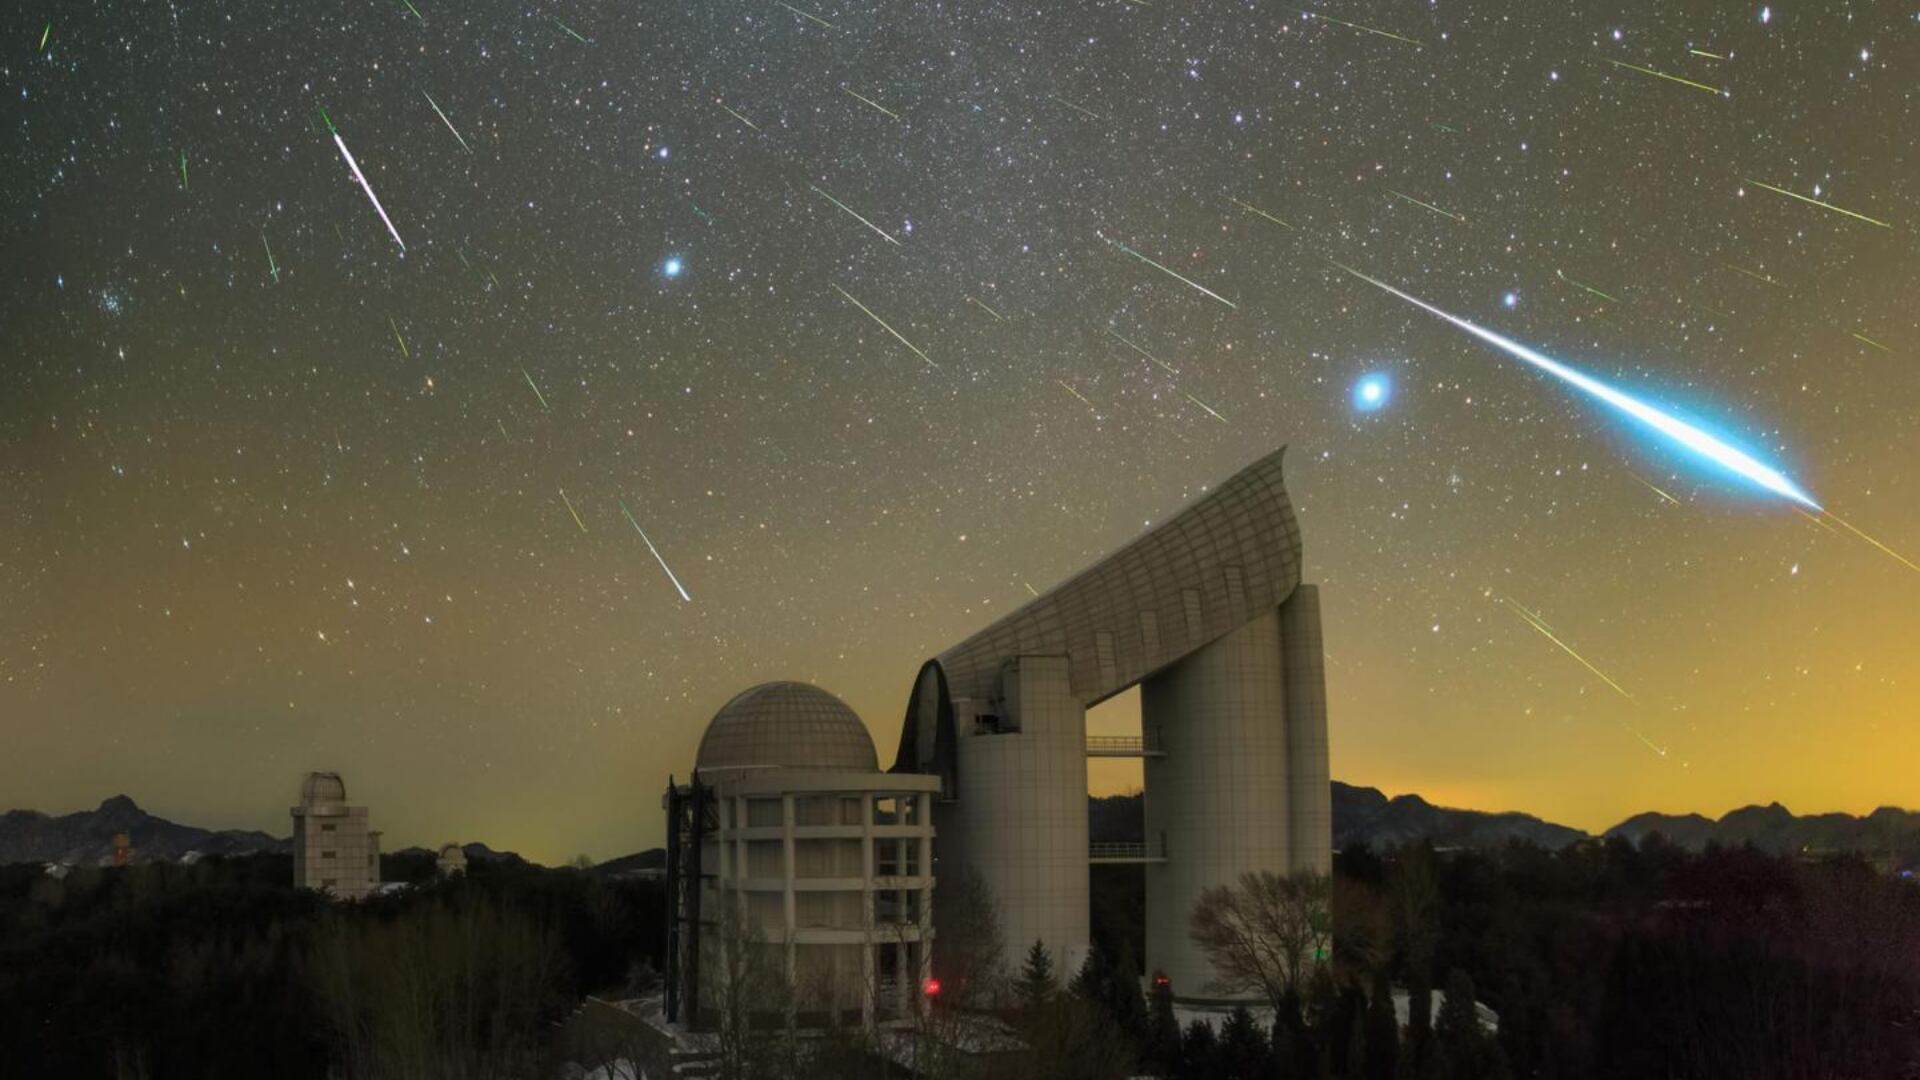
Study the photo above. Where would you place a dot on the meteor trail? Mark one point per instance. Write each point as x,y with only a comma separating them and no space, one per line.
183,173
1368,29
415,10
1429,206
571,510
656,554
805,15
874,103
536,390
981,304
888,329
1896,556
737,116
1172,274
1117,336
1818,203
1663,494
1205,406
570,30
272,267
404,354
1540,625
1673,428
449,123
1078,395
1586,287
1708,55
884,235
362,178
44,35
1254,209
1870,341
1663,75
1762,278
1076,108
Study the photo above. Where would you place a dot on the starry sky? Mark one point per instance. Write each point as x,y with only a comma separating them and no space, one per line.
875,316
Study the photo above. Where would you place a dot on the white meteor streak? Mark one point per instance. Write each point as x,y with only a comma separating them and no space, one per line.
656,554
368,188
1681,432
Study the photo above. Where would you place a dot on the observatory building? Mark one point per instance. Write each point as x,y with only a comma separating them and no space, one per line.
333,849
790,852
1207,616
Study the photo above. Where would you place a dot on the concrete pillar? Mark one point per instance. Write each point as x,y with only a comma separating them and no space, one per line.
1309,792
1219,796
1023,801
789,870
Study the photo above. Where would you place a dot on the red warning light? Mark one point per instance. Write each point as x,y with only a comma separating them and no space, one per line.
1160,979
932,989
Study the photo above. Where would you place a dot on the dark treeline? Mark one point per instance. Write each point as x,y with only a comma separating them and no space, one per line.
223,969
1602,960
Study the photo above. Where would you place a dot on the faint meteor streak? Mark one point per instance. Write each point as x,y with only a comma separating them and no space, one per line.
1670,78
1204,405
1185,280
184,186
1429,206
982,305
272,267
1673,428
737,116
1076,108
404,354
1122,339
44,35
882,233
1540,626
1862,337
1657,491
1256,210
873,103
1368,29
1587,288
1818,203
1078,396
571,31
1708,55
362,178
415,10
888,329
571,510
805,14
1849,526
1762,278
536,390
681,589
449,123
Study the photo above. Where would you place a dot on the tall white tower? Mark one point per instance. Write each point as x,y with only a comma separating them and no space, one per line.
334,851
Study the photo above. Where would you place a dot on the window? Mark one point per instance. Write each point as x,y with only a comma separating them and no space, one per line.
326,854
327,828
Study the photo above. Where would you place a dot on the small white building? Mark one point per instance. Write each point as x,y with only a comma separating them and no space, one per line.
334,850
790,843
451,860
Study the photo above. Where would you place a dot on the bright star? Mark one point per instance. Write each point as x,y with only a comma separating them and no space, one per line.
1371,392
1511,300
672,267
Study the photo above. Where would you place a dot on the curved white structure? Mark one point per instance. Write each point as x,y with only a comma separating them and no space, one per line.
1207,615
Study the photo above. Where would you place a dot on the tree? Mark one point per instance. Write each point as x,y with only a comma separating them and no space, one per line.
1199,1053
1244,1054
1036,984
1265,934
1382,1029
969,958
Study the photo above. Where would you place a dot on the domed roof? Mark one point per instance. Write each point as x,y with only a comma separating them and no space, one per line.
323,788
786,725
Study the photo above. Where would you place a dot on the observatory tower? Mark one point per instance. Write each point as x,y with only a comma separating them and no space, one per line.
1207,615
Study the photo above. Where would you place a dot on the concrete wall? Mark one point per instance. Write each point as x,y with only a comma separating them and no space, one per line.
333,850
1219,797
1309,790
1020,820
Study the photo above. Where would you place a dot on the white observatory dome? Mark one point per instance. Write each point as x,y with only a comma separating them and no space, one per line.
786,725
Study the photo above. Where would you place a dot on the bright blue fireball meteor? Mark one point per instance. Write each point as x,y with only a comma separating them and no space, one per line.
1679,431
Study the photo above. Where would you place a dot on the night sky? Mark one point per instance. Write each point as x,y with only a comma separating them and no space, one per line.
277,494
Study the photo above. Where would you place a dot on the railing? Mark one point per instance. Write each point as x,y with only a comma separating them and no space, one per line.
1123,746
1130,851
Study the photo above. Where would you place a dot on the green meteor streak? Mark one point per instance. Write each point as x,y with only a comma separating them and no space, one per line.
1250,208
272,267
183,173
1368,29
1588,288
1173,274
875,104
1862,337
1818,203
570,30
1429,206
536,390
1664,75
415,10
884,326
804,14
44,35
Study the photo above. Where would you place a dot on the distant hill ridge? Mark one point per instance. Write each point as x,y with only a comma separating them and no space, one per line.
1360,815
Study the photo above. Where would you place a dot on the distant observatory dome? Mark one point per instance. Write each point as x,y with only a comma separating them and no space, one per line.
786,725
323,788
